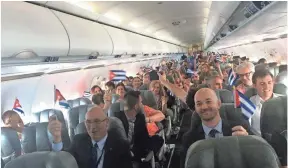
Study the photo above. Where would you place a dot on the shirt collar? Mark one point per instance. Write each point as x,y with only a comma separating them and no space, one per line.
259,100
218,127
100,143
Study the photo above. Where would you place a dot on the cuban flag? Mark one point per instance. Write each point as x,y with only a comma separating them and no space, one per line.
117,75
232,77
17,107
247,107
59,98
86,94
218,58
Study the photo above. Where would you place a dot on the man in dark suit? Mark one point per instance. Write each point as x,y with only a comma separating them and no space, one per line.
211,125
134,123
97,148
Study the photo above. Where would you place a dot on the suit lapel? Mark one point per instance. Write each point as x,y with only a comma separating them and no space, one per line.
87,149
108,149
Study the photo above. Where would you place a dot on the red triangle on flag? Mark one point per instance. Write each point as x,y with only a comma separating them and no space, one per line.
17,104
236,98
111,75
58,95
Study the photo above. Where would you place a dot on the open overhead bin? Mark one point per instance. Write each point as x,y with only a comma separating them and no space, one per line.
30,31
86,37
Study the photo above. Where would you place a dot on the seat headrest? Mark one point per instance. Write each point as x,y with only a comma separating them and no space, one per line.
273,116
115,127
231,151
79,101
43,116
44,160
280,88
115,107
225,96
250,92
148,98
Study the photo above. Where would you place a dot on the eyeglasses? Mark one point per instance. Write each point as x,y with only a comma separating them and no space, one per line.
97,122
246,74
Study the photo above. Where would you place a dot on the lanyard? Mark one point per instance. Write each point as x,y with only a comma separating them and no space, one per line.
98,160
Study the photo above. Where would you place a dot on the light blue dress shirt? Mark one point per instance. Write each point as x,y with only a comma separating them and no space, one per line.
218,127
58,147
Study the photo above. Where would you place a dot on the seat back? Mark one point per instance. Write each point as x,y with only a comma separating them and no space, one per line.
79,101
43,116
225,96
231,151
115,126
148,98
76,116
279,143
280,88
250,92
273,117
44,160
10,144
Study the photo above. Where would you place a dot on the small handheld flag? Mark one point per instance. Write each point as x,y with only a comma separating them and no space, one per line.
60,99
232,77
247,107
17,107
117,75
218,58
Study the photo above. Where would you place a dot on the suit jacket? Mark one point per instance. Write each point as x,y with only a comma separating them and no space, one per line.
141,144
117,152
197,133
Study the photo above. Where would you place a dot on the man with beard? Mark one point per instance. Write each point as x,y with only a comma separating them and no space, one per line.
264,83
211,125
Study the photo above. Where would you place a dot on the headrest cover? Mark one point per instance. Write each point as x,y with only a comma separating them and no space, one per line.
232,151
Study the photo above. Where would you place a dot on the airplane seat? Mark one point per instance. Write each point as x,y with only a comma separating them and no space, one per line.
282,68
273,117
272,66
43,116
250,92
231,151
44,160
115,126
203,86
76,115
2,163
273,125
280,88
115,107
79,101
225,96
10,144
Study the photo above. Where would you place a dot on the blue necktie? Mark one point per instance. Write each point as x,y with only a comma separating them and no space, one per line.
212,133
94,155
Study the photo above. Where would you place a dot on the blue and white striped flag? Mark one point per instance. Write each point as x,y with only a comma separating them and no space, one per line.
232,77
247,107
117,75
218,58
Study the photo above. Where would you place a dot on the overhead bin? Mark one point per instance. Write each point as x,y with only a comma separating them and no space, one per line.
86,37
31,28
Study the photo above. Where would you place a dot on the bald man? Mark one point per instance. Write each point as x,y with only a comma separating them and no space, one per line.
211,125
97,148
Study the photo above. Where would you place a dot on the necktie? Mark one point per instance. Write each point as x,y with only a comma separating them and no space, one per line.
94,155
212,133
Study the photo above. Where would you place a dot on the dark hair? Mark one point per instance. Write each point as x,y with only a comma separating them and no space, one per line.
110,84
96,86
261,61
97,99
131,98
261,73
7,114
121,84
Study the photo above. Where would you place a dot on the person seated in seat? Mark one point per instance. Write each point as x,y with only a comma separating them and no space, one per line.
103,102
146,81
264,83
215,82
97,148
159,93
110,86
136,83
120,90
134,122
12,119
245,71
207,107
96,90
